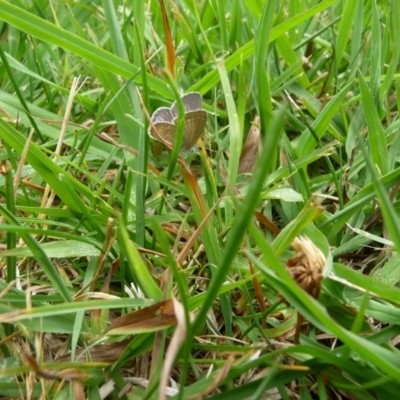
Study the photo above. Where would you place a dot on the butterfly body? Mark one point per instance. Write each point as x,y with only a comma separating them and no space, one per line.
165,119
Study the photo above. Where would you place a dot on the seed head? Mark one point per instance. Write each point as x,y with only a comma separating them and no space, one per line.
307,266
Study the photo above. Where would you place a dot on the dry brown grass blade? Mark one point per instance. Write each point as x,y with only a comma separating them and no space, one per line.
176,342
33,186
176,229
14,316
222,373
262,219
108,242
180,259
21,163
299,324
48,196
149,319
66,374
251,148
10,337
7,289
189,244
103,136
192,181
6,168
247,161
79,392
169,45
259,293
107,353
114,266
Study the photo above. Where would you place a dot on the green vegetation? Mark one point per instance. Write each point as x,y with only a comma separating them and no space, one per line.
129,270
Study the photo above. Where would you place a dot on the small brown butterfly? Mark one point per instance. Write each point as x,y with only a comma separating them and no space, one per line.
164,121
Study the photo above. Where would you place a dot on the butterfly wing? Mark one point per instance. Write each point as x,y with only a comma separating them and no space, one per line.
164,121
164,131
191,102
162,114
195,121
164,128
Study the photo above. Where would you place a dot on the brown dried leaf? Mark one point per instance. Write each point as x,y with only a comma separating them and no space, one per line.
262,219
109,352
149,319
79,391
251,148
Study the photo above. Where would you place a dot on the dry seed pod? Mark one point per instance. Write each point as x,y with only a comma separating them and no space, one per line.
307,266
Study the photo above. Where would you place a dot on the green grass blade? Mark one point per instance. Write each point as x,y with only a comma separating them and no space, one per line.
244,216
40,256
50,33
376,134
212,78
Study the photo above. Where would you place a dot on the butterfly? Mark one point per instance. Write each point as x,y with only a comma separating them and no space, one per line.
164,121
